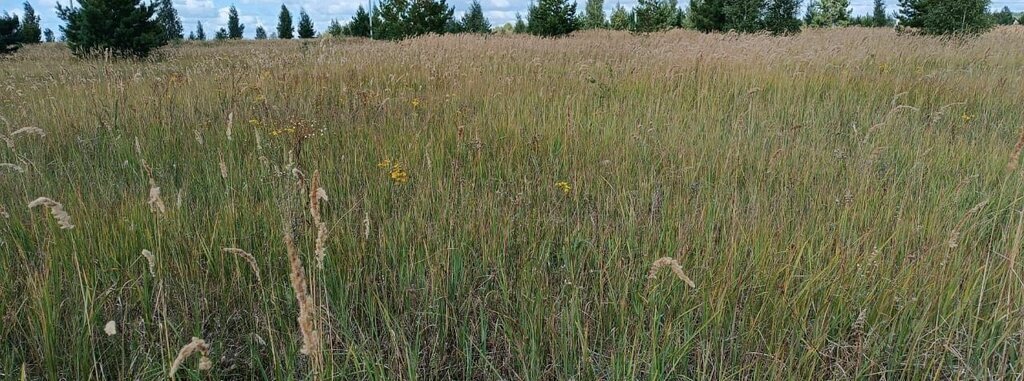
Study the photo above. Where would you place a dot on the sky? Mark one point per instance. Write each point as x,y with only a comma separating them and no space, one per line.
214,13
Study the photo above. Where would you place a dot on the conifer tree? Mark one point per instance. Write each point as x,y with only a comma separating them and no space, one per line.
261,34
200,35
1003,17
30,30
235,28
946,16
10,38
520,26
168,18
619,19
780,16
593,17
360,24
305,29
878,16
552,18
285,30
125,28
427,16
48,35
474,21
654,15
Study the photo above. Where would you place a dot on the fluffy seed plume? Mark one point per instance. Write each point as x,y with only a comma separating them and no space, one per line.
56,209
12,167
231,122
29,131
151,261
310,336
316,194
223,168
197,345
672,264
155,203
248,258
110,328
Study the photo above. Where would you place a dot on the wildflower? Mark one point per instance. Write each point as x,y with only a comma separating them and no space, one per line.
967,118
386,163
415,102
564,186
398,174
883,67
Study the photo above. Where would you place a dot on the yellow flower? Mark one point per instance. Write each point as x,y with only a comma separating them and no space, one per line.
398,174
384,164
883,67
564,186
416,102
967,118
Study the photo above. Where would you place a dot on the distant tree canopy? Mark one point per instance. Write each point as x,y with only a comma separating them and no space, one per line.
398,19
285,30
235,28
335,29
828,13
48,35
199,34
946,16
360,24
620,18
551,18
10,39
261,34
593,16
654,15
305,29
474,21
745,16
221,34
125,28
30,30
168,18
1003,17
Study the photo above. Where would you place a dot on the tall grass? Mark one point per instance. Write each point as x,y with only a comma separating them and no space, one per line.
846,203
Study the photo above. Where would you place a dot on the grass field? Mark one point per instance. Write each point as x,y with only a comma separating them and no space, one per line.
847,204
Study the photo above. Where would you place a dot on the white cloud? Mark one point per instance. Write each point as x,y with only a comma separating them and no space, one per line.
500,3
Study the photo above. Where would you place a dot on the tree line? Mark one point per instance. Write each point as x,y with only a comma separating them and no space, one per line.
132,28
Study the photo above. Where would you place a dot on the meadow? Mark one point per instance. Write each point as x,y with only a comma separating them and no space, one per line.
842,204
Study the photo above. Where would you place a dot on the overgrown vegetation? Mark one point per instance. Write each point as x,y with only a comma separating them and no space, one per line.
846,204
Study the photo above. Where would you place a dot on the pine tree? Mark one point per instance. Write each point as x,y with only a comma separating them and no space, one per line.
1003,17
708,15
428,16
200,34
619,19
654,15
126,28
235,28
946,16
474,21
812,12
594,15
360,24
261,34
335,29
30,30
305,29
222,34
878,16
285,30
520,26
831,13
389,21
10,38
168,18
48,35
552,18
780,16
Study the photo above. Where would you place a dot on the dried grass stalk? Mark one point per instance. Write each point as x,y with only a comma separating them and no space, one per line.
12,167
248,258
151,260
316,194
672,264
56,209
29,131
197,345
155,203
310,336
3,212
1015,157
